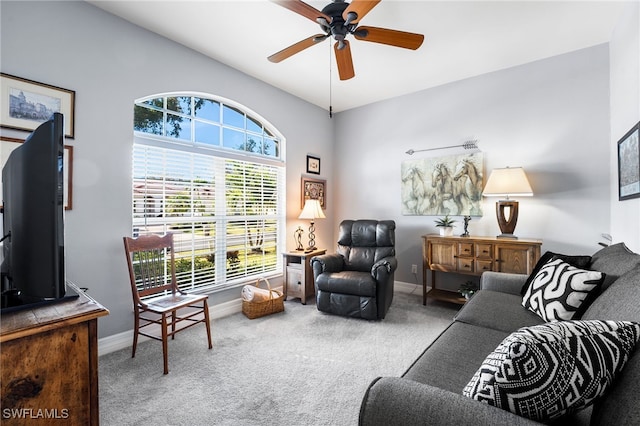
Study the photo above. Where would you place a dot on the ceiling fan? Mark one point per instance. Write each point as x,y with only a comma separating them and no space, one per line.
339,19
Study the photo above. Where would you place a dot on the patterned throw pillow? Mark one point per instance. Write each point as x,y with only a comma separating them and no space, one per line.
560,291
548,370
580,261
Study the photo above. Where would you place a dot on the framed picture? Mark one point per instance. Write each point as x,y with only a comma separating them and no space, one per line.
313,189
24,104
629,164
313,165
9,144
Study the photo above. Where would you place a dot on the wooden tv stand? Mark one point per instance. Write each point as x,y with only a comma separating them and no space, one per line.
49,363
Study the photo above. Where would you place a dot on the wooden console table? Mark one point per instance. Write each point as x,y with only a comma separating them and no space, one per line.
473,256
49,363
298,276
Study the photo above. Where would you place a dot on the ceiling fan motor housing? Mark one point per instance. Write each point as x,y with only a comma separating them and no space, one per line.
338,28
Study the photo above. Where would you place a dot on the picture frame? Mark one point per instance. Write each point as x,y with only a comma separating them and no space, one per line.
629,164
25,104
313,189
8,144
313,164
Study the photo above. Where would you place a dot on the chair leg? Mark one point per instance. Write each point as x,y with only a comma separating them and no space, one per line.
207,323
165,346
173,325
136,328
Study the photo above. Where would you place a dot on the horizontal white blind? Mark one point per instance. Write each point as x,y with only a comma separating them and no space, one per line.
227,215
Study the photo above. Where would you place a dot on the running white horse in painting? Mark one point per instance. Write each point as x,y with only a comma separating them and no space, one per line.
419,197
467,173
452,192
442,182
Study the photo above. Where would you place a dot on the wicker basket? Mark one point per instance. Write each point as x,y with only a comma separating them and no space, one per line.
259,309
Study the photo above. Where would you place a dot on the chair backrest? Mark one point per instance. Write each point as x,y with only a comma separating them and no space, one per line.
149,272
364,242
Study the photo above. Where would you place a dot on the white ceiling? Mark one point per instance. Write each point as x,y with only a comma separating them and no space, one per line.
462,39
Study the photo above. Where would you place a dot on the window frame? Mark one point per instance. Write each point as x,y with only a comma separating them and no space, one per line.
273,165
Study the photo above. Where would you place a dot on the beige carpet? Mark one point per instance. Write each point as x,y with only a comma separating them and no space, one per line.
298,367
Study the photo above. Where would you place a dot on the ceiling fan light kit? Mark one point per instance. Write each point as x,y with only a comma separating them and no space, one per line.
338,20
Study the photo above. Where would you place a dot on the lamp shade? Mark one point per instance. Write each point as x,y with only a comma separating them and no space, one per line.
312,210
509,181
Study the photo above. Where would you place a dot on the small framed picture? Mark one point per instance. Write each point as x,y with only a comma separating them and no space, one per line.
629,164
314,189
313,164
25,104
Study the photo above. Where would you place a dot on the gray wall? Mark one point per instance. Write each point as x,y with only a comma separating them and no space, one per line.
550,117
625,112
110,63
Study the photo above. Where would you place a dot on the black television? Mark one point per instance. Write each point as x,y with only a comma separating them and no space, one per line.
33,266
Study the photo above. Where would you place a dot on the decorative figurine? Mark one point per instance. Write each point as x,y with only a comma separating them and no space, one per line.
298,237
466,226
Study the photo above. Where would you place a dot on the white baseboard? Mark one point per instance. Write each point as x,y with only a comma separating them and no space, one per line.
124,340
405,287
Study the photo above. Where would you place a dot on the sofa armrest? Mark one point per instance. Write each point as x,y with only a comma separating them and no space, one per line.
503,282
397,401
327,263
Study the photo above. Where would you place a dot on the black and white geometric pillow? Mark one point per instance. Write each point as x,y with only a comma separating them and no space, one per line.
560,291
548,370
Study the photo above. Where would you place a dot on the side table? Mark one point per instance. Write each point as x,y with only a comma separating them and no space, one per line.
473,256
298,276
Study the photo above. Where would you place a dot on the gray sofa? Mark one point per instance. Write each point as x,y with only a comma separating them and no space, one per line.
430,391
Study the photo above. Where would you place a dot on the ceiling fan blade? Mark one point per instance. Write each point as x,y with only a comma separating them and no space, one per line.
302,8
390,37
344,60
296,48
360,8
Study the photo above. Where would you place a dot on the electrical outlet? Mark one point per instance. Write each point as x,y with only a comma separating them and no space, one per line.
414,269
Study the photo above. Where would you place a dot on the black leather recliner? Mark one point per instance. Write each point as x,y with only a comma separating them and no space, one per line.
357,281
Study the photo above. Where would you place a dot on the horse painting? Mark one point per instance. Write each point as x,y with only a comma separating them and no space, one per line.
445,185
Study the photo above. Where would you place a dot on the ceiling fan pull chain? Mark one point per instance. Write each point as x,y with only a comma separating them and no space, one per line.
330,86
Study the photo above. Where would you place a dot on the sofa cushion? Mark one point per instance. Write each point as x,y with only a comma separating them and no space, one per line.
452,359
560,291
577,261
620,301
548,370
621,406
614,260
497,311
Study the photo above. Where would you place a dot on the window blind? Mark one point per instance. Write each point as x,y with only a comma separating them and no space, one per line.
226,214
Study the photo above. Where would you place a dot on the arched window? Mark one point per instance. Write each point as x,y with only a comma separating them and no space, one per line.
212,173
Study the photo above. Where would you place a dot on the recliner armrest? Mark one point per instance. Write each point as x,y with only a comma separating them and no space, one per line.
397,401
327,263
388,265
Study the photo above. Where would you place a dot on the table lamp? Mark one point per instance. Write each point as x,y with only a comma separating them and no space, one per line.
311,210
506,182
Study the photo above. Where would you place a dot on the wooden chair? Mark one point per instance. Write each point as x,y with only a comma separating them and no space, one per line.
156,296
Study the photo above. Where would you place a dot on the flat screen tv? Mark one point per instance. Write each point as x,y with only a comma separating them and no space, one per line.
33,266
